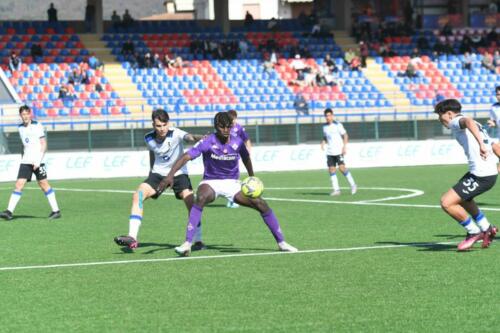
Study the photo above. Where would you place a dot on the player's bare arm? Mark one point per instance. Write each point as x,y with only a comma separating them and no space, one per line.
345,137
43,149
247,162
495,146
470,124
323,142
151,160
192,138
492,123
168,181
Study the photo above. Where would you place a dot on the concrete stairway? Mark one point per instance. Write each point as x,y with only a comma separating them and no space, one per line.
117,75
344,40
385,84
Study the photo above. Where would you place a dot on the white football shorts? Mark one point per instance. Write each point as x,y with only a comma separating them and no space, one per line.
224,187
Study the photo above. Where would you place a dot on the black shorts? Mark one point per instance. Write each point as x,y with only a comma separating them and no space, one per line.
181,183
470,186
26,172
333,161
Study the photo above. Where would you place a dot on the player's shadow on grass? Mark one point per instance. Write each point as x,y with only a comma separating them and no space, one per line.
424,246
322,194
21,217
223,248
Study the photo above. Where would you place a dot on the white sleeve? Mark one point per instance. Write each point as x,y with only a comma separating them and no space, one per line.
40,131
493,114
455,123
342,130
181,134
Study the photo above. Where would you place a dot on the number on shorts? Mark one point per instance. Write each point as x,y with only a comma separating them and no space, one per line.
470,184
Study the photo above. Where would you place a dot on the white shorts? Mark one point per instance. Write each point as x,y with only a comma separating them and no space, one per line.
224,187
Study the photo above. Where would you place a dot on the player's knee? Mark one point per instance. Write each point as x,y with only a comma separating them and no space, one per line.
445,203
259,204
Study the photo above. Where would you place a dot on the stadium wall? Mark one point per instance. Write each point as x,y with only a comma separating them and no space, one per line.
265,158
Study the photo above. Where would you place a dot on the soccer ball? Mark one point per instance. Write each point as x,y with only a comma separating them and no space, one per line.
252,187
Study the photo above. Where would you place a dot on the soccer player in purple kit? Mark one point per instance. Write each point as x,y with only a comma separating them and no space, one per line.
221,154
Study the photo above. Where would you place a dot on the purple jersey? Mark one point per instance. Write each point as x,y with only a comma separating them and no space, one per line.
221,161
239,131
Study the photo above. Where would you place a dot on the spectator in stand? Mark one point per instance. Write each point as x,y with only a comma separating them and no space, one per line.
14,62
248,19
465,45
363,51
52,13
330,64
348,56
487,62
178,63
243,46
98,87
90,17
355,63
300,104
36,51
84,77
66,92
116,20
148,61
167,62
157,61
298,64
127,19
316,30
128,48
269,62
272,25
496,61
410,72
94,63
75,77
492,37
478,41
423,43
447,30
448,48
467,62
438,48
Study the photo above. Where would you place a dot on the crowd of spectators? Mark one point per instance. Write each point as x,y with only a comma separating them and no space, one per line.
221,50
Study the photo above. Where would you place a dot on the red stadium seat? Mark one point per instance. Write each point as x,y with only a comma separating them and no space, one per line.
95,112
52,112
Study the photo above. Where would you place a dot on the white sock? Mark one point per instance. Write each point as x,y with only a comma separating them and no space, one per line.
197,235
470,226
14,199
482,221
348,175
335,181
134,223
51,196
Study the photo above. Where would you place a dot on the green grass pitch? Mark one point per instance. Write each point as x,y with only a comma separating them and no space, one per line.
383,260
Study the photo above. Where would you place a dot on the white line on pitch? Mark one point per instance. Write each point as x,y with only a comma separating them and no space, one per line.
139,261
360,203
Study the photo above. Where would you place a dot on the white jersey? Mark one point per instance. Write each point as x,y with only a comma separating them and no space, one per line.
30,136
168,151
332,133
477,165
495,115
